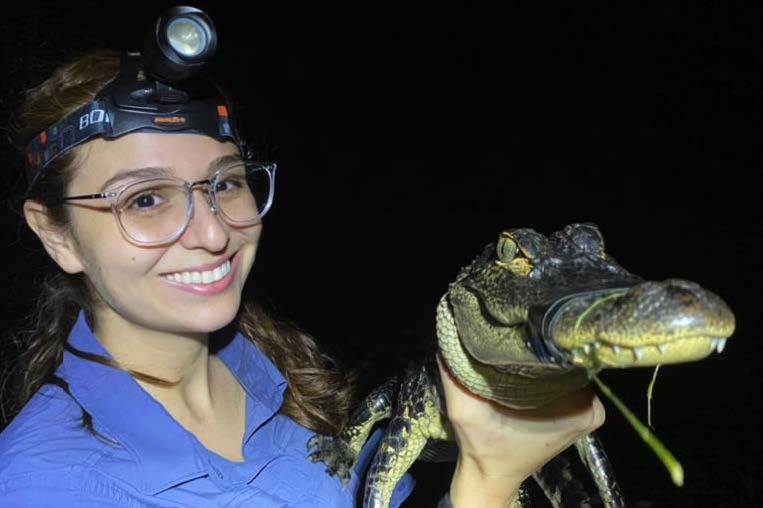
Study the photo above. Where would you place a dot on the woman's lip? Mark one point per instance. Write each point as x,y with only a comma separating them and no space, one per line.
208,289
203,268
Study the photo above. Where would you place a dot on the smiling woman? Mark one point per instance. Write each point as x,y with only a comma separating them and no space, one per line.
147,301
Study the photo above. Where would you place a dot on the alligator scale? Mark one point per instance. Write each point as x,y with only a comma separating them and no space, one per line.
528,321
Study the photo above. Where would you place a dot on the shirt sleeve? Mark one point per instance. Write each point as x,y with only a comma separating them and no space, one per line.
402,490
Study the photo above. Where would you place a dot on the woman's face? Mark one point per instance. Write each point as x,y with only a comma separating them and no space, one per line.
134,281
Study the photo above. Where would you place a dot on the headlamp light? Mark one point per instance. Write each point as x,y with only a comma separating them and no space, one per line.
186,37
182,41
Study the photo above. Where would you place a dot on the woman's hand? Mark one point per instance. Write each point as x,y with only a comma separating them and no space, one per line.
500,447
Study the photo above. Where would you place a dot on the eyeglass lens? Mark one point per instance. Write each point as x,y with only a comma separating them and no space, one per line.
156,210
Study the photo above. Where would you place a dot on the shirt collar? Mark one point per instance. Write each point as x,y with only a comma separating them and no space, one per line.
123,411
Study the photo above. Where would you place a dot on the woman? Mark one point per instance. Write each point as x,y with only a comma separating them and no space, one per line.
186,395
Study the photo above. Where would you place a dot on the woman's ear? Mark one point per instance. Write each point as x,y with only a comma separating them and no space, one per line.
57,241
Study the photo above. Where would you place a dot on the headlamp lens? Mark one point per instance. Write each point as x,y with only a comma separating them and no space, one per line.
187,36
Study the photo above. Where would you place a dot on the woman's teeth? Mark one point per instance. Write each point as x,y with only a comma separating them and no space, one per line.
207,277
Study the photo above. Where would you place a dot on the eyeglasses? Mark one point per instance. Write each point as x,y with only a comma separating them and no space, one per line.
157,210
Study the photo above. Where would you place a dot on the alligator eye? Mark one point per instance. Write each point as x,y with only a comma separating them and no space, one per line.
506,249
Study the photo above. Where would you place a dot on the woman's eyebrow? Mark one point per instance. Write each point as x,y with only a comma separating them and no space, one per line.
129,174
159,171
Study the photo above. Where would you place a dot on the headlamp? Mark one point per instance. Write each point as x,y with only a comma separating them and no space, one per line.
182,41
160,90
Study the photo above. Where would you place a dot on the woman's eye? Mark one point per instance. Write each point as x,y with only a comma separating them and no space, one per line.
228,184
222,186
145,201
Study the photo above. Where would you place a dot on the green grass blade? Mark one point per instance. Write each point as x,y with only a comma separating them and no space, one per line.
673,466
649,397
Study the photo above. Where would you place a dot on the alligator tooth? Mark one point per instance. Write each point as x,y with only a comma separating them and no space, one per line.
616,348
587,348
720,344
597,344
662,347
639,352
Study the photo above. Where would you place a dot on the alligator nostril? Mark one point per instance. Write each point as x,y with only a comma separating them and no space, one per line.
681,296
688,292
682,283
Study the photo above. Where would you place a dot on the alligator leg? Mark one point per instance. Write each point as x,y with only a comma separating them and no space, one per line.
418,430
562,489
417,419
339,454
592,454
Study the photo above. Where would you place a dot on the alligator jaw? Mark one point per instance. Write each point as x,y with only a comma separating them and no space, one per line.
648,324
611,355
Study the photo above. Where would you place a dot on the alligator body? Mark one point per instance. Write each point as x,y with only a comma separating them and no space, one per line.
525,323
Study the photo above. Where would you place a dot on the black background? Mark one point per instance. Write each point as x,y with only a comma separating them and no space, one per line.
408,137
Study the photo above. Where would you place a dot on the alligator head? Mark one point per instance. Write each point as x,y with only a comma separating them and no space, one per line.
534,314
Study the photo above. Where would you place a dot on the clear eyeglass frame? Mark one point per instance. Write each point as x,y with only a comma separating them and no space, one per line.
208,185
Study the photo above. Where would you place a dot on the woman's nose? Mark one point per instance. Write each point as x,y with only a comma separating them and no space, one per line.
206,227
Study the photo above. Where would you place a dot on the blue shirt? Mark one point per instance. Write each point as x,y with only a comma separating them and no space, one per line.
48,459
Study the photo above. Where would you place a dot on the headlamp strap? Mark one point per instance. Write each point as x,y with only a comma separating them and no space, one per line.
135,102
88,121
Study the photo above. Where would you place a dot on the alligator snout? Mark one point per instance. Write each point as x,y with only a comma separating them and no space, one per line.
673,307
650,323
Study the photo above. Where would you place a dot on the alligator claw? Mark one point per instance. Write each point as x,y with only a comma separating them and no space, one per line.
313,441
335,453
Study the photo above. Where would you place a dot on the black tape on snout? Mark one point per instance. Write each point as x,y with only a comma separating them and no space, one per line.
543,317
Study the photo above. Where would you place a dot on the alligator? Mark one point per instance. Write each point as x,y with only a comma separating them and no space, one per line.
528,321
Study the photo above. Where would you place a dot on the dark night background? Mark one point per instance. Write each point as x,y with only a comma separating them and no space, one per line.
407,138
